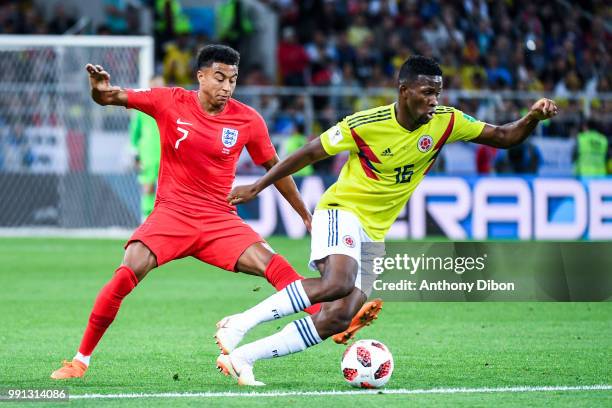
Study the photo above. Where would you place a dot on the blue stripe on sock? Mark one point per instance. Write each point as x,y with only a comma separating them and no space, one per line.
293,303
301,334
309,331
294,296
329,228
298,297
336,220
308,335
333,222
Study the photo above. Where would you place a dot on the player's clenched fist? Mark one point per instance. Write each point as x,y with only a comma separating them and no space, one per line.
544,109
242,194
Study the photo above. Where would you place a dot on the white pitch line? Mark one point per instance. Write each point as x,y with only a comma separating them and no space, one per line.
275,394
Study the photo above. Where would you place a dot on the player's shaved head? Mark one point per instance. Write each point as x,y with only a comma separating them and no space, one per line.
210,54
418,65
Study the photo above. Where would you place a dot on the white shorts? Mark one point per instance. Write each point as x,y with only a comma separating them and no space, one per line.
339,232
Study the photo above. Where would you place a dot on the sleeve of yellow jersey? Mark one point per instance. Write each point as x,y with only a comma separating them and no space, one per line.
338,138
465,128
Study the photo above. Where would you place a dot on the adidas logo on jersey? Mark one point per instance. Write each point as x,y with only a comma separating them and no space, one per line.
387,152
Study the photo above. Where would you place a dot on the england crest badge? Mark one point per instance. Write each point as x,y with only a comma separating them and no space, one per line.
229,137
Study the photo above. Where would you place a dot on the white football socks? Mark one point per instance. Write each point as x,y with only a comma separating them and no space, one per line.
295,337
83,359
288,301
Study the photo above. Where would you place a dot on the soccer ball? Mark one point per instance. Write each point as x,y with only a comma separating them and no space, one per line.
367,364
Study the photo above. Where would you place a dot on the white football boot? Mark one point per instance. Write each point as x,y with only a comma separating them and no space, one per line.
238,369
228,335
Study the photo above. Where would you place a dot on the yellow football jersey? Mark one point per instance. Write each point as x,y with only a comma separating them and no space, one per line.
387,161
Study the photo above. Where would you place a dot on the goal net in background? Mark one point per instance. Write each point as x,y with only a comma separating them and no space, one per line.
65,161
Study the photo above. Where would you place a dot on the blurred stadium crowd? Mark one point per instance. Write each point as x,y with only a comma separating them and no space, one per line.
496,46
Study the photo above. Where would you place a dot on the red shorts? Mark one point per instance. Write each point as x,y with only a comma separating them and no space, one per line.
215,237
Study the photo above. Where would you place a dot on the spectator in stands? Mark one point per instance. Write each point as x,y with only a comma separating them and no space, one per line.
61,20
359,32
319,49
438,35
21,18
485,158
592,151
33,22
321,55
103,30
256,76
532,82
332,18
345,52
291,112
525,158
293,143
169,22
484,36
497,74
268,107
177,69
470,68
170,19
344,77
292,59
8,18
569,83
601,109
116,16
367,59
453,33
11,18
233,23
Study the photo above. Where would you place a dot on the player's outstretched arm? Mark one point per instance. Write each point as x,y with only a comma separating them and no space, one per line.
308,154
102,92
286,186
512,134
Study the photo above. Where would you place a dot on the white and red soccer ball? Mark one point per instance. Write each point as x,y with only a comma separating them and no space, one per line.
367,364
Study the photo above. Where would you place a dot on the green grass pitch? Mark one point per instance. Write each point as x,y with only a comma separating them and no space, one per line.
162,339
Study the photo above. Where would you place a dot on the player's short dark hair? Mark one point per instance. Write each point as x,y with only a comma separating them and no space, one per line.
418,65
217,53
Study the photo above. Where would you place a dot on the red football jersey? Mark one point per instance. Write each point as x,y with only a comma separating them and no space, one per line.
199,152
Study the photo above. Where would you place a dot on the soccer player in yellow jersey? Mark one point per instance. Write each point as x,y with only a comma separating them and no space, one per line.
391,149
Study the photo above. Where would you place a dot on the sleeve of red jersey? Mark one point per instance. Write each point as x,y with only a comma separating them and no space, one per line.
149,100
260,146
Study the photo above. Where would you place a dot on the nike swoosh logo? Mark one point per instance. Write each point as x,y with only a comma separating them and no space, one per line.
180,122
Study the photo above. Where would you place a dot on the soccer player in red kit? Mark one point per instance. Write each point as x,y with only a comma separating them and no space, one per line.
202,135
